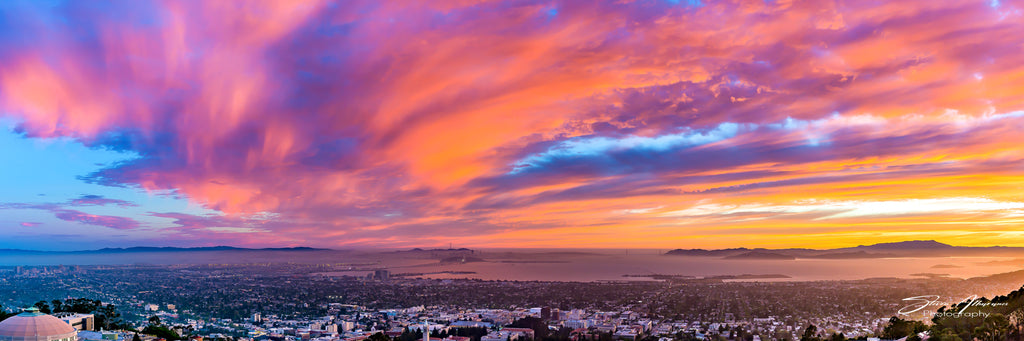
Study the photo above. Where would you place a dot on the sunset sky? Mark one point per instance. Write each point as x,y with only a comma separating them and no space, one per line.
590,124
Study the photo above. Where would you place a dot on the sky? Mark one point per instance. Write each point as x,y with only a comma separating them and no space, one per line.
577,124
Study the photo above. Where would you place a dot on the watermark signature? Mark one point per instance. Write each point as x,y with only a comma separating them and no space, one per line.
920,302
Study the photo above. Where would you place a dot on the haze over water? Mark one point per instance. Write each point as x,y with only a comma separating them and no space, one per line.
571,265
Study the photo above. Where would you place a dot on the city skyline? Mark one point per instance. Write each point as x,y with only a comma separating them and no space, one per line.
498,124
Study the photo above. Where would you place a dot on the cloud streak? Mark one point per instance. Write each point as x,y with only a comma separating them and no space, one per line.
119,223
525,123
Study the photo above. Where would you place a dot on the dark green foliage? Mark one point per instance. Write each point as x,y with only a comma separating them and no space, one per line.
946,335
984,320
837,337
436,335
43,307
379,337
161,331
473,333
4,314
994,327
810,333
106,315
899,328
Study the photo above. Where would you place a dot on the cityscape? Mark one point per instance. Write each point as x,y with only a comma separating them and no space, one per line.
364,298
511,170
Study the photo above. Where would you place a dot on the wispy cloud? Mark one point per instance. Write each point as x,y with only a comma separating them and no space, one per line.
120,223
827,209
366,122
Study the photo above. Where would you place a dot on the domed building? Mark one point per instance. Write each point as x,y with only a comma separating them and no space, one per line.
32,325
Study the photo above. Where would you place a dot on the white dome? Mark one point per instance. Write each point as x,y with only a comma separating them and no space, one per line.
32,325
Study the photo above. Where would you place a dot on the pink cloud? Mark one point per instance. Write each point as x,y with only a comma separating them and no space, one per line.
114,222
372,119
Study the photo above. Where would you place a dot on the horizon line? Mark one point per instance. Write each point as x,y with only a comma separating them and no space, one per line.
365,248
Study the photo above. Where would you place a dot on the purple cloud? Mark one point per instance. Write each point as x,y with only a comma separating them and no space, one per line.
97,200
114,222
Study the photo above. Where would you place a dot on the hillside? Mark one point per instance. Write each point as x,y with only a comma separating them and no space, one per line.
910,248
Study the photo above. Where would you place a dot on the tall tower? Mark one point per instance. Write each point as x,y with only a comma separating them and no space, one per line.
426,330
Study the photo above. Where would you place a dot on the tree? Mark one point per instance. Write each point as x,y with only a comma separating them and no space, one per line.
474,333
161,331
379,337
995,327
4,314
837,336
899,328
154,320
136,337
43,307
945,335
106,315
810,333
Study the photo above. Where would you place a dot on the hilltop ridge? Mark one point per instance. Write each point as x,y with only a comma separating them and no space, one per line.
136,249
910,248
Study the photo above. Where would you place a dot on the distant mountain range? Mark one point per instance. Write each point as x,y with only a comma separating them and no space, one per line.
139,249
912,248
761,255
438,250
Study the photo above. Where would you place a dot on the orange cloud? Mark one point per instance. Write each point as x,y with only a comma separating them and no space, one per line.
540,124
